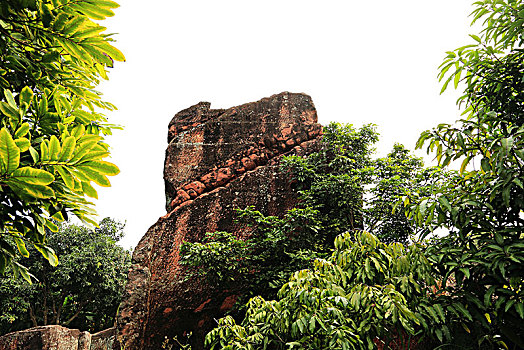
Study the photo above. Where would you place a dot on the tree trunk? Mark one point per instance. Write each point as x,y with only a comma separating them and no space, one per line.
33,317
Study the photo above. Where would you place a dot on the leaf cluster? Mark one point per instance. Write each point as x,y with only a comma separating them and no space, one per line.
362,295
481,260
83,292
52,56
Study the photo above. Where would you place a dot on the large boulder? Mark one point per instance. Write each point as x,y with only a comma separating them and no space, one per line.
216,161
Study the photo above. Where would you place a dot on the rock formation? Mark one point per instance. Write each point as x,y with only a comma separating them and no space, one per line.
58,338
216,161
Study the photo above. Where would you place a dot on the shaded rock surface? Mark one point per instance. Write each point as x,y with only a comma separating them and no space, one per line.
216,161
56,337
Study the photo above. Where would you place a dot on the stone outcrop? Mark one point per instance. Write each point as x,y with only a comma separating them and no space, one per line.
58,338
216,161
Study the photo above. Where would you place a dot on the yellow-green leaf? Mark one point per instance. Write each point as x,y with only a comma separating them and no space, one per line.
44,151
21,246
9,153
10,99
48,253
68,148
95,176
54,149
89,190
22,130
23,144
11,112
33,176
67,177
35,191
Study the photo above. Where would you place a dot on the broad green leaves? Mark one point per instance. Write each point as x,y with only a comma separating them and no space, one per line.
52,147
482,203
366,292
9,153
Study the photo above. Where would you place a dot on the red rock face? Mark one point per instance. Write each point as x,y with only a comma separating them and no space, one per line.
216,161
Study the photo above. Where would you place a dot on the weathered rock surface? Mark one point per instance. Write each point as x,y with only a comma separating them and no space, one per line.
216,161
58,338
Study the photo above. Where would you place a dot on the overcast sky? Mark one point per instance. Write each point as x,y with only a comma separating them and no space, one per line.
361,62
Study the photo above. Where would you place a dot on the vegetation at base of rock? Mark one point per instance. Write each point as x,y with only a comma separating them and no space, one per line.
52,56
83,292
366,292
331,186
468,289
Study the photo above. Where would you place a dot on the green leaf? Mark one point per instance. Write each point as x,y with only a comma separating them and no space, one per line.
477,39
47,253
484,164
520,309
464,164
9,153
68,148
26,95
22,130
23,144
54,149
21,246
457,77
33,176
444,202
10,99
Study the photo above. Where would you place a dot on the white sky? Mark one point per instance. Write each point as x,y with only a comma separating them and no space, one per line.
360,61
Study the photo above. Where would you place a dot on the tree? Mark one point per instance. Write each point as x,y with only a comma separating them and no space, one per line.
481,261
394,174
83,292
366,293
52,56
330,185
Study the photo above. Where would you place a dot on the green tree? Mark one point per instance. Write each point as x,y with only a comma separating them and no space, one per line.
481,261
52,56
394,175
330,184
366,293
83,292
332,180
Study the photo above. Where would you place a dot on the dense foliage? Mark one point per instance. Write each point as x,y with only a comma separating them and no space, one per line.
52,56
82,292
331,186
464,289
394,175
366,293
481,261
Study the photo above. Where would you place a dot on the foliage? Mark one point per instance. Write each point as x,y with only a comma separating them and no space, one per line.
52,56
481,261
261,263
367,292
332,180
394,174
330,183
83,292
